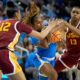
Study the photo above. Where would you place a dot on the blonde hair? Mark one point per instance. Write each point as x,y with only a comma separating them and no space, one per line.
34,10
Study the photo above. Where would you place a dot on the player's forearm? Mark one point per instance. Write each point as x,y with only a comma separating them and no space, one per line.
45,32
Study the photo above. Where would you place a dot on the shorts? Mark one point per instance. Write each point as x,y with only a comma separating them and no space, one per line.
34,60
39,61
8,62
67,60
70,59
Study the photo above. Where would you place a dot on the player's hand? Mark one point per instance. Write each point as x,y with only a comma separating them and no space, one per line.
51,23
61,22
56,22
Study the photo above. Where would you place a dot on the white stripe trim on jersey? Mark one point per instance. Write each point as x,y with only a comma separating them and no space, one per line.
63,63
13,67
22,48
50,59
42,63
42,75
15,27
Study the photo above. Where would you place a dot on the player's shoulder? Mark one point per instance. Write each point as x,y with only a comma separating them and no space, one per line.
2,21
10,20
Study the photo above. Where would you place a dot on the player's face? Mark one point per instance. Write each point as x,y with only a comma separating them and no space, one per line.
75,14
38,24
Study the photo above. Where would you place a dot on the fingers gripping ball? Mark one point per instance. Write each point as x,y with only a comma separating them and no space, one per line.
55,37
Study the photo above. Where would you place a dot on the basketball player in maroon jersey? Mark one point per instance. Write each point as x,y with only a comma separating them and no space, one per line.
72,54
10,30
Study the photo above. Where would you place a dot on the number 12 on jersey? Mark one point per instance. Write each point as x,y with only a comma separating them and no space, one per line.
5,26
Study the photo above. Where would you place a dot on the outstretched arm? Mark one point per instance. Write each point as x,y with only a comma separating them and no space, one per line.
45,32
74,29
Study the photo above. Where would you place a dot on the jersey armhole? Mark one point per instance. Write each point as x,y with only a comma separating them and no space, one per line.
15,27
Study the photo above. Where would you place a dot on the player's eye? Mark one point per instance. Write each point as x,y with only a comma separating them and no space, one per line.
75,12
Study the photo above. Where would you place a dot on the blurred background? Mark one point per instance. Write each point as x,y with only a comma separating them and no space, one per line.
49,9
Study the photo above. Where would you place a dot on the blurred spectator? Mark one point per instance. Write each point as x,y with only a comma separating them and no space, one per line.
1,11
48,10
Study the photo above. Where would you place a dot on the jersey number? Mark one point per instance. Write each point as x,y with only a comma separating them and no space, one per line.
5,26
73,41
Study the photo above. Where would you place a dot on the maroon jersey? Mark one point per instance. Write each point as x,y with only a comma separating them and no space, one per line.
10,31
73,42
70,57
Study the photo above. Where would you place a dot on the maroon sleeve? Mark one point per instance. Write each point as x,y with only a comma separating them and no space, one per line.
24,28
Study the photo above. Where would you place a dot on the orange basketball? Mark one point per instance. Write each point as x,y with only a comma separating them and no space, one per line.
55,37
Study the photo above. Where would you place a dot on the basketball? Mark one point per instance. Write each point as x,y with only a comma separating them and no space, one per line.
55,37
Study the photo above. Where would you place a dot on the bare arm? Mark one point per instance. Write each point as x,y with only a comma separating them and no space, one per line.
74,29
